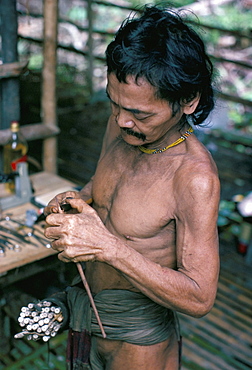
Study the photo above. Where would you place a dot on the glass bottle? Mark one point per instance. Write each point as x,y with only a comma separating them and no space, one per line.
14,152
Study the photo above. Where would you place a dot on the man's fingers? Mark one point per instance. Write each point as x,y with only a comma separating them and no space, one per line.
63,258
50,231
78,204
54,219
53,205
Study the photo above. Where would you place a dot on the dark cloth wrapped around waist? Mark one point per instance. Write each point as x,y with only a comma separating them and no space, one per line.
127,316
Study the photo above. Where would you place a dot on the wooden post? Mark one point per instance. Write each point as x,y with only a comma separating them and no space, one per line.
90,70
9,88
49,100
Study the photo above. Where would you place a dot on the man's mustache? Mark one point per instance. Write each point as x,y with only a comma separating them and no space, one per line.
133,133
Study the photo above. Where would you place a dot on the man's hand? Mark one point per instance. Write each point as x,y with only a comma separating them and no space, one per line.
81,236
53,205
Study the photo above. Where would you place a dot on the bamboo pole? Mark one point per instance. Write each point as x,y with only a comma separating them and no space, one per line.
9,88
35,131
48,100
103,59
235,32
14,69
90,71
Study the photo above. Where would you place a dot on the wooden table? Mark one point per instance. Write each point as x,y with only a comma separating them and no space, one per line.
32,259
10,265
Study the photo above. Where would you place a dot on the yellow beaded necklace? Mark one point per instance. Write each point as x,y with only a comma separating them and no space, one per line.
155,151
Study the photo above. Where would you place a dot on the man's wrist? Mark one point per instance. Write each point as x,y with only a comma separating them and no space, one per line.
117,253
114,251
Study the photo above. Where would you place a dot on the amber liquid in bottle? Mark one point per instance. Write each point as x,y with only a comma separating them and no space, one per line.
14,152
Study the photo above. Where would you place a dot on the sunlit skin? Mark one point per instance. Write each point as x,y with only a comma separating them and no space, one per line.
152,225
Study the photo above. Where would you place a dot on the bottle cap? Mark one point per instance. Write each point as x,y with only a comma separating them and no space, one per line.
14,126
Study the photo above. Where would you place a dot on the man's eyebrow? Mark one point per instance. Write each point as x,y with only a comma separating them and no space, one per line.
132,110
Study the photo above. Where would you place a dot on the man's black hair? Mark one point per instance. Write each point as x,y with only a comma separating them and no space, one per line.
160,47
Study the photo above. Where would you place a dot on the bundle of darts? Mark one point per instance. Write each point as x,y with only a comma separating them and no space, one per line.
40,320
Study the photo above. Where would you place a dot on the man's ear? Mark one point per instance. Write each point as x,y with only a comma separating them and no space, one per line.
189,108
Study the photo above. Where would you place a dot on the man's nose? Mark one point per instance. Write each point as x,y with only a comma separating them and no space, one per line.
124,119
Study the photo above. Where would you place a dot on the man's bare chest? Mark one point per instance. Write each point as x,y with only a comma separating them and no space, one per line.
136,195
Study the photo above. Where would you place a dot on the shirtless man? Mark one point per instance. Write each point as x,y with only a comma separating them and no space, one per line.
151,229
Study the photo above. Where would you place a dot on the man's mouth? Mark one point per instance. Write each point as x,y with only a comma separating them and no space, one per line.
133,133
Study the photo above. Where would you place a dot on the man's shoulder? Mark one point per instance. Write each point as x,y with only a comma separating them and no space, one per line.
197,172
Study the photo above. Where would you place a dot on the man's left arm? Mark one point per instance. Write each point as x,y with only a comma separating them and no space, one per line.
191,288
